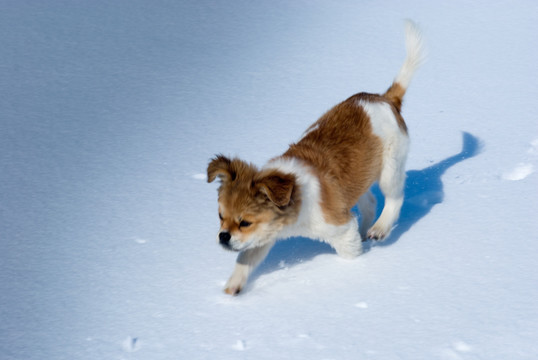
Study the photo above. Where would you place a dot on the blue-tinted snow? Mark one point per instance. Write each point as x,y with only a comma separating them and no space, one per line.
109,112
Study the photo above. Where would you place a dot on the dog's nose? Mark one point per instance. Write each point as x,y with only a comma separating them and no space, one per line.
224,238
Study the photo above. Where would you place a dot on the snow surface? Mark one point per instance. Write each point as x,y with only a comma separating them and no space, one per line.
110,111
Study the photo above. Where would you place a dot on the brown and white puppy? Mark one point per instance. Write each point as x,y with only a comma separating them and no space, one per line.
310,189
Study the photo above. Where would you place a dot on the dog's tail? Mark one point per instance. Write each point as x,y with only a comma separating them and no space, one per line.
415,48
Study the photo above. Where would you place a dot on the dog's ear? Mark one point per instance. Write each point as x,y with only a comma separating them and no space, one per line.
277,186
220,166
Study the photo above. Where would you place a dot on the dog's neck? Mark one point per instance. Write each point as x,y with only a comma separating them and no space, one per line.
306,210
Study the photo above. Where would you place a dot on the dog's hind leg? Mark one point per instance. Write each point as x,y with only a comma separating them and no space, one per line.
367,207
247,261
391,183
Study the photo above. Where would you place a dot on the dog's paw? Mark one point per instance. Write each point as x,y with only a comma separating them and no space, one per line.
232,290
236,283
378,234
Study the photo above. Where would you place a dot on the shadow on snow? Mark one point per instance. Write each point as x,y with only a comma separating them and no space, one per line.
423,190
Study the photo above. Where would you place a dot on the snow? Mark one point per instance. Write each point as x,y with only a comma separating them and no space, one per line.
110,112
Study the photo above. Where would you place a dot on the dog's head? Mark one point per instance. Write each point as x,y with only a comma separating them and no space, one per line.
254,205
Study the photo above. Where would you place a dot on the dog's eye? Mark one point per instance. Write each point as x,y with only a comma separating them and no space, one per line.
244,223
220,216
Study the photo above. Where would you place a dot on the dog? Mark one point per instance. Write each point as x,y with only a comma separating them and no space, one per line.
310,189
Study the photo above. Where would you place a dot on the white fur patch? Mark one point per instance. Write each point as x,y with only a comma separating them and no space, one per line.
385,126
382,119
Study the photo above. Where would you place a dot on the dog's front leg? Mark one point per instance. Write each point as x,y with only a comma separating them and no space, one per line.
246,262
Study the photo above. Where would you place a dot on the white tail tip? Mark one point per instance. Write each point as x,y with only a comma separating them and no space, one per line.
414,45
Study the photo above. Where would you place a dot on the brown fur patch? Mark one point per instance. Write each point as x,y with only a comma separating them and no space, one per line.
394,95
344,153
